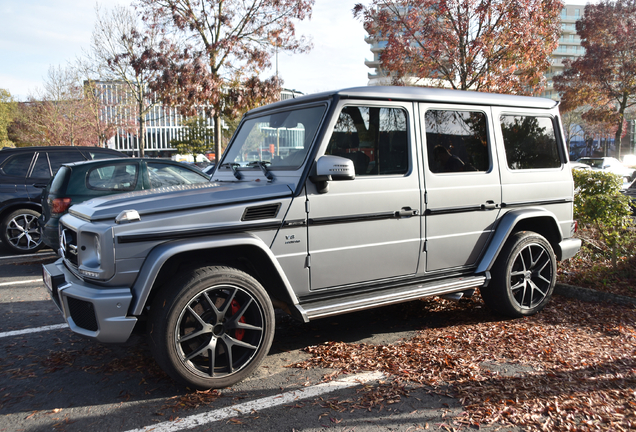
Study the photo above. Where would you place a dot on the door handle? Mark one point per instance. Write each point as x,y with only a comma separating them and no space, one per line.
490,205
406,212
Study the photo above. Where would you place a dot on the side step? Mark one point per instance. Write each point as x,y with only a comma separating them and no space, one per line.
336,306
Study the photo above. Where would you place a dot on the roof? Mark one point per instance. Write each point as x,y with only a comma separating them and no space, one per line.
57,148
421,94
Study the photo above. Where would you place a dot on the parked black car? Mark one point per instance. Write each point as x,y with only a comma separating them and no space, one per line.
80,181
24,173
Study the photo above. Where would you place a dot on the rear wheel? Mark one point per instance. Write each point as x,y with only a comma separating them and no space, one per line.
21,231
211,327
523,276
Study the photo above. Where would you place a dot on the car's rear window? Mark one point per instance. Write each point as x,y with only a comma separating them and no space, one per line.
59,180
114,178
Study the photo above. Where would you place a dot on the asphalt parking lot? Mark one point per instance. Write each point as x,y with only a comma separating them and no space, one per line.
52,379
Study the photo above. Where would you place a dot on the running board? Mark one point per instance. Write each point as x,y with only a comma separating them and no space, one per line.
360,301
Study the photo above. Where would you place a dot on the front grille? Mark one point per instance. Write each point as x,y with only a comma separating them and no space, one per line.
261,212
68,245
83,313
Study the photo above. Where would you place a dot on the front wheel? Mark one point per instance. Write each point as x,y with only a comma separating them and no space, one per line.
21,231
211,327
523,276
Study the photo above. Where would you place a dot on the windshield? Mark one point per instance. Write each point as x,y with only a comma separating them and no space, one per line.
278,140
594,163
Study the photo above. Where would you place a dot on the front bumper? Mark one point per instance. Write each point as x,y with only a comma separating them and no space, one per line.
50,233
90,310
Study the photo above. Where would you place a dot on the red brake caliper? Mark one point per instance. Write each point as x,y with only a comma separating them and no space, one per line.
234,307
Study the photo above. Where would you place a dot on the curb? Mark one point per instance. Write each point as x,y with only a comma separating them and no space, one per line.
588,294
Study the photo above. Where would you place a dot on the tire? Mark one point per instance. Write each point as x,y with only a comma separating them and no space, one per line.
523,276
21,231
211,327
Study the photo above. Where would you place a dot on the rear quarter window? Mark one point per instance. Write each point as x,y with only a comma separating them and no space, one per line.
18,165
530,142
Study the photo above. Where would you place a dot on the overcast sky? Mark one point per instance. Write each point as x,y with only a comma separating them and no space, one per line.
37,34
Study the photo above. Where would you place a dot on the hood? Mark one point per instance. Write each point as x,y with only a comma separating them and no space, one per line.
178,198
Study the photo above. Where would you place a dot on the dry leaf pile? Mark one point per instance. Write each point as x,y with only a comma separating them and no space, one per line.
571,367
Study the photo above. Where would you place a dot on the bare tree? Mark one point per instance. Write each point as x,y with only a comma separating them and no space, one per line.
120,39
228,45
58,114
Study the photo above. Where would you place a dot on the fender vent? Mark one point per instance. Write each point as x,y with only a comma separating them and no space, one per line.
261,212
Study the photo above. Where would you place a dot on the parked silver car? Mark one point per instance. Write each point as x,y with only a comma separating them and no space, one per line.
323,205
609,164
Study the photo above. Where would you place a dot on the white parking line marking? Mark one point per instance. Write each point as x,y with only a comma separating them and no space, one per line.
42,255
261,404
21,282
32,330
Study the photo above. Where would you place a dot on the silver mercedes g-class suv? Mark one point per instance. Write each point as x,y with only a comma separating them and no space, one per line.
322,205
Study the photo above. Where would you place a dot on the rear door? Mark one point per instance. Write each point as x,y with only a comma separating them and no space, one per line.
463,192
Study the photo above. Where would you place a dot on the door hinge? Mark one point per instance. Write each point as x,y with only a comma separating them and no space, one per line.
307,206
308,261
424,247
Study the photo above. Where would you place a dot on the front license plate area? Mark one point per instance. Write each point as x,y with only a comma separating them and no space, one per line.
52,278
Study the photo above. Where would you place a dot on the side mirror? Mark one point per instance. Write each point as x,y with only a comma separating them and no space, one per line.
332,168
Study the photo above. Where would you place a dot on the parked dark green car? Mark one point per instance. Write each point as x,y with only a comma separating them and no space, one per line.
81,181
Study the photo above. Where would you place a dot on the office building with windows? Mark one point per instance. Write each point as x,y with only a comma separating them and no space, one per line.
163,123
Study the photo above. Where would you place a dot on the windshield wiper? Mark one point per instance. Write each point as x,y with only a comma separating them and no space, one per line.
263,166
233,167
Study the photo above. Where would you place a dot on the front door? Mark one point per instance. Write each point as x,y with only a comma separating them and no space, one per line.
367,229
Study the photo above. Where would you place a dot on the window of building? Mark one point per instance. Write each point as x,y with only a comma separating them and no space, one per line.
457,141
374,138
530,142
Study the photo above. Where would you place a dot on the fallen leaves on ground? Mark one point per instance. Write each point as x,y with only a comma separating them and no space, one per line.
192,400
570,367
592,267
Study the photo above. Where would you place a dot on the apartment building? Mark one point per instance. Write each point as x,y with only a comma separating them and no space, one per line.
569,48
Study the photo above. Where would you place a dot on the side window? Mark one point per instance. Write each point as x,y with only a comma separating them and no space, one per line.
457,141
161,175
61,157
41,168
375,139
18,165
530,142
113,178
93,155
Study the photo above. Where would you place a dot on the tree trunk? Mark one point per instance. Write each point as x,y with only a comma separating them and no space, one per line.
619,130
217,137
141,140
